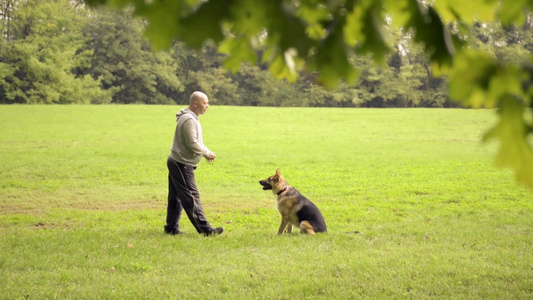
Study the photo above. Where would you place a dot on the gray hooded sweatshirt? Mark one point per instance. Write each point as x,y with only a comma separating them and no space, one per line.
188,145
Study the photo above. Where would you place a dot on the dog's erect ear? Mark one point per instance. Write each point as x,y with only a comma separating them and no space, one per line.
278,176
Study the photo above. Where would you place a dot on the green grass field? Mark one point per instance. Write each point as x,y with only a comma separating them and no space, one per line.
83,204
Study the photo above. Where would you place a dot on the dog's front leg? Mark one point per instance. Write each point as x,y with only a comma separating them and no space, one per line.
283,225
289,228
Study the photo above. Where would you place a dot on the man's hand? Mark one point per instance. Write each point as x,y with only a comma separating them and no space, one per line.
210,157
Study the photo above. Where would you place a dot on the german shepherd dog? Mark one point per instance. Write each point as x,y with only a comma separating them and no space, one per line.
295,209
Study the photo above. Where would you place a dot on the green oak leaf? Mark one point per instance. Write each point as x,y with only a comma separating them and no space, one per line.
238,50
511,131
333,65
512,12
470,79
205,23
467,11
478,80
430,31
286,66
285,29
364,29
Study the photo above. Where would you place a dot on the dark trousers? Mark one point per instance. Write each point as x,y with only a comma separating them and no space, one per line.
183,195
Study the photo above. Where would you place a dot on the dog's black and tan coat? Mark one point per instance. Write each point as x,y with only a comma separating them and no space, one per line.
295,209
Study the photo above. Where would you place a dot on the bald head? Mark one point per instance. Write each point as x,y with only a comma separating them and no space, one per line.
196,96
199,103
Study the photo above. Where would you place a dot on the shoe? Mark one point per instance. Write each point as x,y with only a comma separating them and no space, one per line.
217,230
173,231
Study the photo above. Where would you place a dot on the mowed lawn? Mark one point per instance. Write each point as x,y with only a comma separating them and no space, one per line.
83,204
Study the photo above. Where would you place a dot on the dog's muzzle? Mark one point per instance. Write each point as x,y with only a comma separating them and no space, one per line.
265,185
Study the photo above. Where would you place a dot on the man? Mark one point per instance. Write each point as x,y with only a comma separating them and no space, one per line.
186,152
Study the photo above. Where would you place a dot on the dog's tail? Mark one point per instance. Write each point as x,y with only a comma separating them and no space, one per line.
306,227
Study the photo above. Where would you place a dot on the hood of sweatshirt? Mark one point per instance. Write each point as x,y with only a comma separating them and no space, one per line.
186,111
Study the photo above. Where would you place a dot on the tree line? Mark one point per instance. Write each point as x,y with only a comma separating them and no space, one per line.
62,52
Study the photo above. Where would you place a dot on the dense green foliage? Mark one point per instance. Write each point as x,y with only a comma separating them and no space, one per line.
39,50
83,204
64,52
61,52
